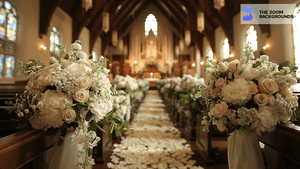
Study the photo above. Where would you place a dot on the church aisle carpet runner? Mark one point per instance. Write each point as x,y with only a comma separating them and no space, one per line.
152,141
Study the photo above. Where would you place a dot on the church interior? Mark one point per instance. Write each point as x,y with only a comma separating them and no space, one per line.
149,40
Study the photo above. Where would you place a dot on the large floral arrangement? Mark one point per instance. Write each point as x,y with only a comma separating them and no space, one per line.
73,92
248,94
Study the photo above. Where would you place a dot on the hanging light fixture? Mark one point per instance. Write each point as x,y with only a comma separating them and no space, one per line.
177,50
218,4
121,45
181,44
200,21
187,36
87,4
114,39
105,22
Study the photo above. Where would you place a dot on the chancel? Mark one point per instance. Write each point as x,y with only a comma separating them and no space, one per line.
187,84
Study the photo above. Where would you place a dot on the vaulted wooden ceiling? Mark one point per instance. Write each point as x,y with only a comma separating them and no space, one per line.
182,15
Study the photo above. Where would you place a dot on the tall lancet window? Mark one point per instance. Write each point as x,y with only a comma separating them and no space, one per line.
251,37
226,49
8,36
296,32
54,40
150,23
209,53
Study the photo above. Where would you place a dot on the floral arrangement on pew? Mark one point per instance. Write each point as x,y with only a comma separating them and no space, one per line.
188,105
73,92
248,94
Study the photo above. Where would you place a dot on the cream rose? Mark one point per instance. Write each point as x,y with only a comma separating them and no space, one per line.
285,91
261,99
36,122
220,109
251,73
236,92
85,61
253,88
69,115
220,83
232,65
267,86
84,82
51,117
65,63
271,99
44,79
223,68
81,95
55,100
293,100
53,67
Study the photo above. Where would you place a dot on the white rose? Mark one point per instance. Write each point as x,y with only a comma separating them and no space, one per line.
220,109
69,115
236,92
36,122
81,95
251,73
54,67
232,65
220,83
223,68
75,46
285,91
44,79
261,99
55,100
267,86
253,88
81,55
84,82
264,57
100,109
266,122
85,61
53,60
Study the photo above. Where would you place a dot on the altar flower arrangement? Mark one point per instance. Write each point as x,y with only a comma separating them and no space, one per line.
72,92
248,94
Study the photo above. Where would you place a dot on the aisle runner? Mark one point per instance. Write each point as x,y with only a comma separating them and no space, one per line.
152,141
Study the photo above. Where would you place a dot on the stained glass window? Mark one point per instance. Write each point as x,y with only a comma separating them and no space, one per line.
226,49
296,32
150,23
9,66
251,37
8,37
54,40
1,64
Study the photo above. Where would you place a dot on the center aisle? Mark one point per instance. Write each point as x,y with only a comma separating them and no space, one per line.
152,141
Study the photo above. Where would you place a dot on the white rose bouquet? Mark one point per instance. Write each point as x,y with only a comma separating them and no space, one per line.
248,94
73,92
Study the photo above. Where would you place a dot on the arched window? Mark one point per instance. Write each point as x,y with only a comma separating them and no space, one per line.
226,49
150,23
54,40
296,34
251,37
210,53
8,36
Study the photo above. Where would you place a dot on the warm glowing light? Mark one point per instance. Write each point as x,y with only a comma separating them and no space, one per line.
214,60
193,64
42,48
202,63
231,55
151,73
135,62
267,46
110,65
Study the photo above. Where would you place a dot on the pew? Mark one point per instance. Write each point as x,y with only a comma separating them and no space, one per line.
24,149
282,147
104,146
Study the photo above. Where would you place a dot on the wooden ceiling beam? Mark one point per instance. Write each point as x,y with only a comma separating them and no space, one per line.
47,9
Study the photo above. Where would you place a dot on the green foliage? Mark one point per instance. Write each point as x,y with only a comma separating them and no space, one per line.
248,52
